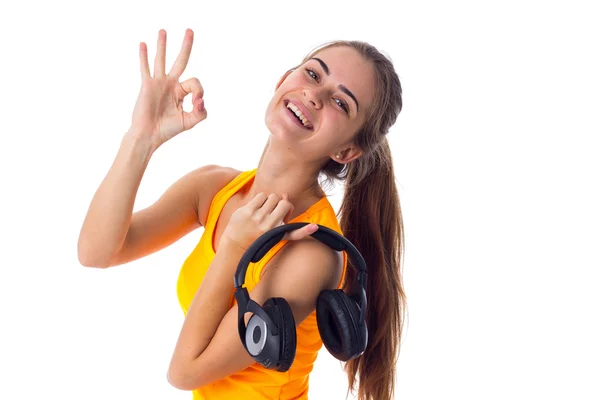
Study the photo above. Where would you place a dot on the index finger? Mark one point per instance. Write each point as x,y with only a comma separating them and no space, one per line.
144,67
301,233
184,54
257,201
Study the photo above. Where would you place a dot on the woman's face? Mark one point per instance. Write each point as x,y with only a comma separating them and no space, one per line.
334,95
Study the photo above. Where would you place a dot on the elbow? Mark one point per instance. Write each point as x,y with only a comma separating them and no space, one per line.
174,379
89,263
88,259
179,379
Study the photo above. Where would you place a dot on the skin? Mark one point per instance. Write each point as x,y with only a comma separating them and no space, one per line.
293,156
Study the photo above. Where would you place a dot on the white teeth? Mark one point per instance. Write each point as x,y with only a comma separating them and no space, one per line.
296,111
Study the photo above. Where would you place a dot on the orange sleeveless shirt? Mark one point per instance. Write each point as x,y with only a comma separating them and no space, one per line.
256,382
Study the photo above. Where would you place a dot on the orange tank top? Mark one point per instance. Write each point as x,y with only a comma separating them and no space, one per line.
256,382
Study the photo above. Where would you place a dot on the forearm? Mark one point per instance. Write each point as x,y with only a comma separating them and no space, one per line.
107,221
209,306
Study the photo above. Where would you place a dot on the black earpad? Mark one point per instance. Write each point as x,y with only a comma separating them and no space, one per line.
284,318
338,322
359,326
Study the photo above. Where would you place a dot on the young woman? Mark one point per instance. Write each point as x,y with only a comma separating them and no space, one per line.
330,116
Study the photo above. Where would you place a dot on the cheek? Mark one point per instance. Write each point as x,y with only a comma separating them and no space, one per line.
334,120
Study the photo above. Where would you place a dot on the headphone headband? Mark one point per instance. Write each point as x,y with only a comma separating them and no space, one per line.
325,235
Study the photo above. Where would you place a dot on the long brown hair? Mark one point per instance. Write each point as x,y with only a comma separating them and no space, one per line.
371,218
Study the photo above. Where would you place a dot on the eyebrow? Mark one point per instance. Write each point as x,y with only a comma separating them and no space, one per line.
341,87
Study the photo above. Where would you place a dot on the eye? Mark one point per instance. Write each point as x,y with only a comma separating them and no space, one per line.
314,75
344,105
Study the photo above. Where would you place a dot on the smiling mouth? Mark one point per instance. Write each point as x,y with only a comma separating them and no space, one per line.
308,128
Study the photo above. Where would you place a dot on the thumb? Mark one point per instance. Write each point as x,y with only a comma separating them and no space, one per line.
199,113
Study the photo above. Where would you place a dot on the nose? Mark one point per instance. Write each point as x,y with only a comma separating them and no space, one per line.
313,99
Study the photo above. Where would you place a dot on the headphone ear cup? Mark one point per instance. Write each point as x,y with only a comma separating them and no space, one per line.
338,322
282,314
360,327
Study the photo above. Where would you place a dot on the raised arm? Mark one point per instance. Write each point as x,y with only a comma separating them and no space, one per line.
157,117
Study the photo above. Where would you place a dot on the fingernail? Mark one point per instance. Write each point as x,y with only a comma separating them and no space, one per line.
201,104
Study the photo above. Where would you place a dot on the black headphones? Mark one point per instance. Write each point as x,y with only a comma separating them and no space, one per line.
270,337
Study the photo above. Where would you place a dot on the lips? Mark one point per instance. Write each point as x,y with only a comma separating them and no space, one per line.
302,109
295,119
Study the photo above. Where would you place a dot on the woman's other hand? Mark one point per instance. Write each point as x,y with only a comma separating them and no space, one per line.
158,114
259,216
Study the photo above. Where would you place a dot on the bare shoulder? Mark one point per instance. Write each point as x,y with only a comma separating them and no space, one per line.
232,171
219,172
212,178
301,272
326,264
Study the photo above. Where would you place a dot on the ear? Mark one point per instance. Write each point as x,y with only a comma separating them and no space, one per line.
347,155
283,77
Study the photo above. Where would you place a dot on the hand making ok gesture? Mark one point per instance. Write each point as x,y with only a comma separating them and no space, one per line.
158,114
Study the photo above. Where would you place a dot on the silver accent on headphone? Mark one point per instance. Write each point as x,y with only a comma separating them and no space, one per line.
255,348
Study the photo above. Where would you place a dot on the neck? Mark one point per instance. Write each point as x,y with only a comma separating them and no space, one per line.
283,173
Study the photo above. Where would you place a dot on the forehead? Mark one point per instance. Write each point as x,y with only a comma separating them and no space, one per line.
347,67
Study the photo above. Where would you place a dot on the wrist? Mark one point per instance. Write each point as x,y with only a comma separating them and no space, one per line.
231,246
139,144
227,257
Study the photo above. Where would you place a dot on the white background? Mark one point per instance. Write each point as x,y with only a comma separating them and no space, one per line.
496,154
